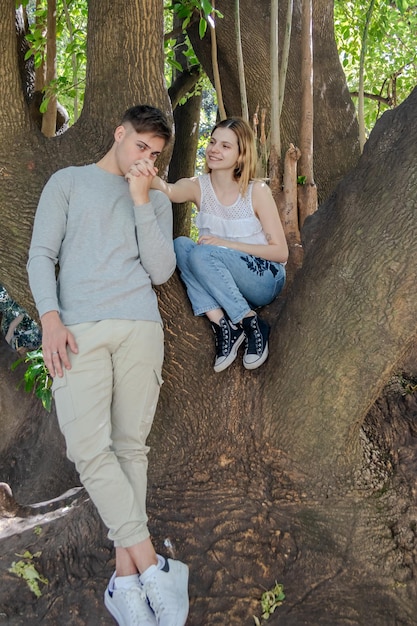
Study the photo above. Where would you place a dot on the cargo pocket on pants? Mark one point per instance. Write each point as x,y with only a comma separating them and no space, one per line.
63,402
151,404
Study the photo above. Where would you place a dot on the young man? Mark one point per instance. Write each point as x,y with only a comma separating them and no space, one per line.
102,342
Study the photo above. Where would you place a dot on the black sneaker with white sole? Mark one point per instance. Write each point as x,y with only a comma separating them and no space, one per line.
228,338
257,333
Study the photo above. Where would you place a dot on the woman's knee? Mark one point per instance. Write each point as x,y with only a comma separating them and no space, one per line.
199,258
183,247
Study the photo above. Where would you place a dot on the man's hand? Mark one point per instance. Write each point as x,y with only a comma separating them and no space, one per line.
146,167
55,339
140,177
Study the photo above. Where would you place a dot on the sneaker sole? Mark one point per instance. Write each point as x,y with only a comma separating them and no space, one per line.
232,356
259,362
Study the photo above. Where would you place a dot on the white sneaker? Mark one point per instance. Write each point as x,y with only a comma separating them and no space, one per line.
167,592
129,607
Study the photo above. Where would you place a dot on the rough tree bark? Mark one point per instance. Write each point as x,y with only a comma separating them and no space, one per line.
291,473
186,121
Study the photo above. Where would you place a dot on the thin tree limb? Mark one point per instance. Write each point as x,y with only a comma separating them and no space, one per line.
275,86
361,100
49,117
216,74
240,64
285,54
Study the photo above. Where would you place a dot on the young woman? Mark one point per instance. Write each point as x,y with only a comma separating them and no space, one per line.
238,263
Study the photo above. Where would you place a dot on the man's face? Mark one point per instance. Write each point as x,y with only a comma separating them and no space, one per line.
131,146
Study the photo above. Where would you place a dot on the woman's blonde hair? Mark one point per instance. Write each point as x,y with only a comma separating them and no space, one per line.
245,169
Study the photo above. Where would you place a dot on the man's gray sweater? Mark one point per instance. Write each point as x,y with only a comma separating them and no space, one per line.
109,252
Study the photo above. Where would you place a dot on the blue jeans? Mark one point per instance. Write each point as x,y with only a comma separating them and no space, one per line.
218,277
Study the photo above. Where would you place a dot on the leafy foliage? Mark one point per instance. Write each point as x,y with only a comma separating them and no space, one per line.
186,9
71,40
26,569
36,378
270,600
391,61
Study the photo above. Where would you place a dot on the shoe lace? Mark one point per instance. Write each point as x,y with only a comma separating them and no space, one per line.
155,598
136,609
254,338
222,338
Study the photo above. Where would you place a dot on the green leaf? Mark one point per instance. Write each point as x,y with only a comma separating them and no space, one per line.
44,105
183,11
16,364
175,64
202,27
207,7
186,22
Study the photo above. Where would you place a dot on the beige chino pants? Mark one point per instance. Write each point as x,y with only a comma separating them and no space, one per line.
105,405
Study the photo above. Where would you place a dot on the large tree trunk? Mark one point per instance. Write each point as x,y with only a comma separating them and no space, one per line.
336,135
358,283
291,473
186,119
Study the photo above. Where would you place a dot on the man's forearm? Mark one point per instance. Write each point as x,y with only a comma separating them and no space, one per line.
155,242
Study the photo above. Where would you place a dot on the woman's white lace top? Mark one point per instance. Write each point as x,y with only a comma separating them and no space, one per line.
236,222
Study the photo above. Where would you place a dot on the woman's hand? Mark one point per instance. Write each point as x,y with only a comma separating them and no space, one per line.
213,241
140,176
143,167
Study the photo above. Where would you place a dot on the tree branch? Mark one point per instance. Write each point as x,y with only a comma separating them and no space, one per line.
373,96
183,83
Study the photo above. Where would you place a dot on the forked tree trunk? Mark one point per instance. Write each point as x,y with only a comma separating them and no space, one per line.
252,475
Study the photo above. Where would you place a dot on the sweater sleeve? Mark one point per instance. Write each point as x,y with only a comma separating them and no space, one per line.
154,233
48,232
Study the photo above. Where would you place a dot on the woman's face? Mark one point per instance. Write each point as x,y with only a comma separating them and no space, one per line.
222,151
